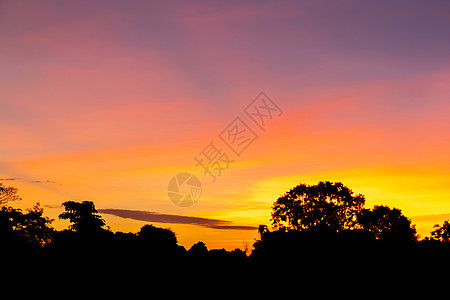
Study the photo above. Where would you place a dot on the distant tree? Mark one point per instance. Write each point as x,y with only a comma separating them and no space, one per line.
34,228
259,247
387,224
239,253
157,237
124,236
8,194
442,233
9,222
198,249
17,229
310,206
218,253
83,216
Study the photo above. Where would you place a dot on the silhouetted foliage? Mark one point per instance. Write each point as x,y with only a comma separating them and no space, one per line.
17,229
31,229
9,222
159,240
150,234
292,244
120,236
322,228
308,206
442,233
387,224
316,220
83,216
87,231
8,194
34,228
238,253
198,249
9,217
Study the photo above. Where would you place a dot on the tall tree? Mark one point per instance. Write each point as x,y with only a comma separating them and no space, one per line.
325,204
83,216
34,228
17,229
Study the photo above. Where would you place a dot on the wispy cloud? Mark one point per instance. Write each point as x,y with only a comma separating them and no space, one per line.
438,218
149,216
51,206
27,177
8,179
43,181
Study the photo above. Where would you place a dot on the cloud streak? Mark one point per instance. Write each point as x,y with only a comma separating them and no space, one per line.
43,181
149,216
438,218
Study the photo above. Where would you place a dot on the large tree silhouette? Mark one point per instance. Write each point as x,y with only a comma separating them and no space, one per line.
157,238
388,224
310,206
83,216
18,229
35,228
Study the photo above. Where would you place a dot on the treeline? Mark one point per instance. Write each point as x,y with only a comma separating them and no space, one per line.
88,234
309,220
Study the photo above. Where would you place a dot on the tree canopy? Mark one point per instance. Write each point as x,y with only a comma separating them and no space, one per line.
388,224
83,216
18,229
309,206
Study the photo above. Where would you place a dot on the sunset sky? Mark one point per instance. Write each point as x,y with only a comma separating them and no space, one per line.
108,100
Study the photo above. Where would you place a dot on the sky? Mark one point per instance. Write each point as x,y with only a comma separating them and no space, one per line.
107,101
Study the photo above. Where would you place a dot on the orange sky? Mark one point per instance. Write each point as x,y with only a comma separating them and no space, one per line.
108,102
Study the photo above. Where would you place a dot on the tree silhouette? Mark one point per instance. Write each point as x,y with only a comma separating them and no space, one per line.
310,206
318,227
387,224
442,233
8,194
34,228
9,221
83,216
198,249
157,238
17,229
